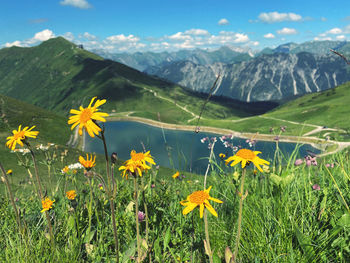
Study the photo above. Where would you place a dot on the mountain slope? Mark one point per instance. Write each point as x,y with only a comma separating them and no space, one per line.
58,75
276,76
330,107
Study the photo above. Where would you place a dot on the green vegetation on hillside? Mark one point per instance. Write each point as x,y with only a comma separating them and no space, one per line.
57,75
328,108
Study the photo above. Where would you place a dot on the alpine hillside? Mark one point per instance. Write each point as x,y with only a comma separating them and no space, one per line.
59,75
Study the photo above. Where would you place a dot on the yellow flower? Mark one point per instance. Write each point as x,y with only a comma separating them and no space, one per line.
65,170
176,175
47,204
9,172
201,199
87,117
88,163
137,162
246,156
71,194
19,136
222,155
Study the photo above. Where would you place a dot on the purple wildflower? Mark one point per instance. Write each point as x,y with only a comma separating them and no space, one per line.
298,162
141,216
316,187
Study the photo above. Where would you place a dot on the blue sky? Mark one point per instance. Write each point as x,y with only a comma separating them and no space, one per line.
167,25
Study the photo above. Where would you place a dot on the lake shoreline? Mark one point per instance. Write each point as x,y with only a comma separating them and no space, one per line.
315,142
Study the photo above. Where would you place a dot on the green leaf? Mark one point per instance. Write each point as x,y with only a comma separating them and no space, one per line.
305,243
89,236
70,223
166,239
344,221
157,250
129,252
275,179
288,179
216,259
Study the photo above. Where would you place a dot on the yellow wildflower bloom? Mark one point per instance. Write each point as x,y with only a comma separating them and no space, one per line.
19,136
47,204
176,175
201,199
9,172
71,194
65,170
222,155
246,156
130,168
87,117
137,162
88,163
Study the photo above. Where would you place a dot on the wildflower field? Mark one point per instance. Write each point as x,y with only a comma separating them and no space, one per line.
79,207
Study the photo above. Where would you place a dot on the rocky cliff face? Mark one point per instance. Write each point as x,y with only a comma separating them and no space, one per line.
273,74
267,77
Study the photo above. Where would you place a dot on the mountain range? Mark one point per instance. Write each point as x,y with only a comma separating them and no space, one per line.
58,75
287,71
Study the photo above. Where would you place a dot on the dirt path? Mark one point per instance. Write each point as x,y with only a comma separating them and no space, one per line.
177,105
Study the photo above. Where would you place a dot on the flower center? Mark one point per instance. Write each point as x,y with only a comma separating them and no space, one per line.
198,197
19,135
85,115
137,157
246,154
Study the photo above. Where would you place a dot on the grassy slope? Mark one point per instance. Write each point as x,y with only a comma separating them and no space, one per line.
52,127
328,108
57,75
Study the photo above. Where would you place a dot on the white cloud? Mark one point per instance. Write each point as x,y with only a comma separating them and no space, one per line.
83,4
346,29
323,19
241,38
69,36
255,43
334,31
269,35
122,39
322,38
43,35
179,36
223,22
15,43
274,17
341,37
287,31
88,36
197,32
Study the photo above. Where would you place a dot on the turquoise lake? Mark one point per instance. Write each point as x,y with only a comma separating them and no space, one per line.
181,149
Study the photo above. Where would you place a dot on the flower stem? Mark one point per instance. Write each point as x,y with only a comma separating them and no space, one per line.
137,220
90,207
206,229
11,198
41,194
240,214
110,191
145,207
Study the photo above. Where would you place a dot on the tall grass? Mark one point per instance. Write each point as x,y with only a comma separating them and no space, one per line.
284,219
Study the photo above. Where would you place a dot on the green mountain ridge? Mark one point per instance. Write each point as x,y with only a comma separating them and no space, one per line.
59,75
